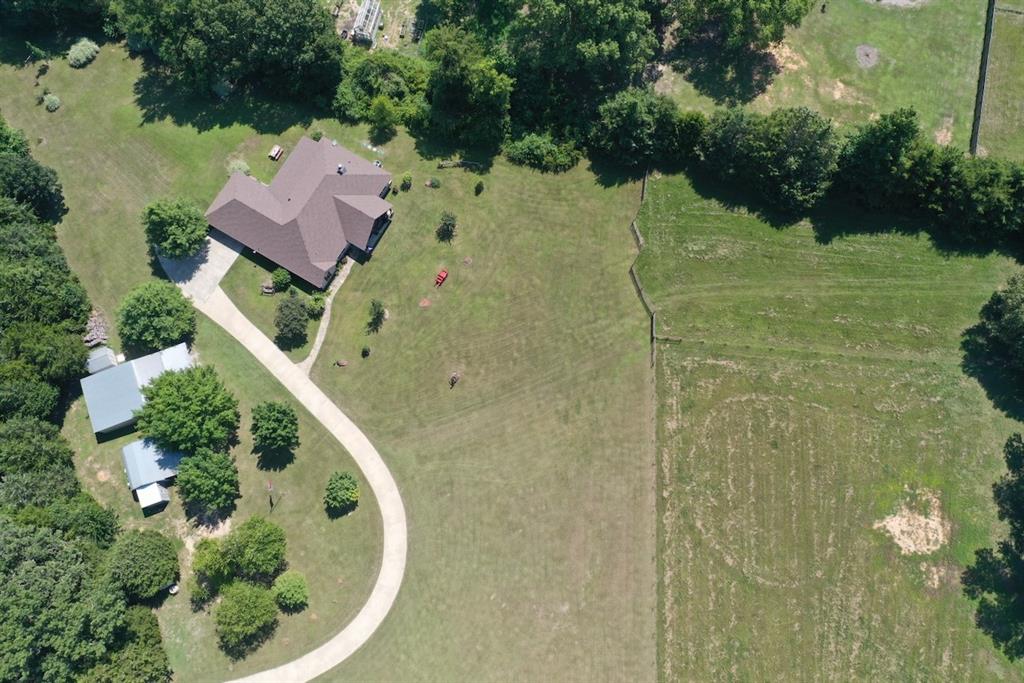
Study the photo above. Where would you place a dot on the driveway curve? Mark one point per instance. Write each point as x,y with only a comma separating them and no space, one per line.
199,280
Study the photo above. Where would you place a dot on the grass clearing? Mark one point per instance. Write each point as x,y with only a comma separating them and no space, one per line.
529,485
817,67
816,391
1003,116
112,160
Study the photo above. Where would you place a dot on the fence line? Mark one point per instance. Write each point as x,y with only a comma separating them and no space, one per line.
979,99
640,291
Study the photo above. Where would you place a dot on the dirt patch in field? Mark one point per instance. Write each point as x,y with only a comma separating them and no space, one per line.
788,58
424,303
867,56
940,575
918,527
103,475
944,135
192,533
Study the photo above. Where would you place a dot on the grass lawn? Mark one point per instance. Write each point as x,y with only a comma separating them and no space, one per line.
816,389
928,58
243,284
529,485
1003,116
113,157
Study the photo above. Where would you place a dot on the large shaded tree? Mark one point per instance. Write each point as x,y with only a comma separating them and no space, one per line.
740,24
208,480
25,180
155,315
36,463
174,227
56,353
189,410
255,550
142,563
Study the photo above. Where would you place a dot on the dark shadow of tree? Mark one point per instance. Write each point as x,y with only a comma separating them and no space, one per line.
274,459
433,144
728,77
988,360
339,512
250,644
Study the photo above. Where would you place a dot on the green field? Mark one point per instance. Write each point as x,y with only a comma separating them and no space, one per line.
918,49
1002,120
814,389
112,162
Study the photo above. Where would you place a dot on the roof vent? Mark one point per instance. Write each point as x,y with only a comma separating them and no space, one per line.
341,169
377,163
334,143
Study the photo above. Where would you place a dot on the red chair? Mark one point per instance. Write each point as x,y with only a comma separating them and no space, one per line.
441,277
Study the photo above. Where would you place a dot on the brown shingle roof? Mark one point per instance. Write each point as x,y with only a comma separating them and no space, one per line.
309,213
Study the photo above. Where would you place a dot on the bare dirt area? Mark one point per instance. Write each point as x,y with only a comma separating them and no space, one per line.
918,527
867,56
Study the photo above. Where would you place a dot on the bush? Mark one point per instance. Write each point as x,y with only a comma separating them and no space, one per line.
189,410
281,279
383,118
446,229
208,480
24,394
143,563
238,166
632,127
255,550
246,614
83,517
155,315
210,571
365,352
51,102
342,493
291,320
316,305
82,52
291,592
540,151
274,427
406,182
478,189
316,135
377,314
434,183
175,228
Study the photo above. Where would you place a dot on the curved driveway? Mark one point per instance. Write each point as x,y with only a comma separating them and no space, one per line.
199,280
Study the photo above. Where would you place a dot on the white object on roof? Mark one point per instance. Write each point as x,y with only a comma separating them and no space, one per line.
152,495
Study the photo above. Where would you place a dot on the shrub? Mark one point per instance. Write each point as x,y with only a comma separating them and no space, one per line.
434,183
246,614
316,135
291,320
210,570
24,394
342,493
479,188
175,228
383,118
291,592
189,410
540,151
82,52
51,102
208,480
316,305
83,517
377,314
238,166
275,427
281,279
446,229
142,563
406,182
365,352
255,549
155,315
632,126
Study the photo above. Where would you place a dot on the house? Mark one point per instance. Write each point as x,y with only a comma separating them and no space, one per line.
324,203
114,392
149,469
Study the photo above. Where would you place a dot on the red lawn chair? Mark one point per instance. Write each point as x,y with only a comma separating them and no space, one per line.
441,277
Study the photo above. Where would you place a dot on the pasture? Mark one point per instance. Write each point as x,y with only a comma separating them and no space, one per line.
824,464
1002,118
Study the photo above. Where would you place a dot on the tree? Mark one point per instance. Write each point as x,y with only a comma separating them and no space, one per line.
291,320
82,517
446,228
740,24
57,354
12,140
245,616
174,227
255,550
541,151
208,480
189,410
155,315
342,493
633,126
24,394
384,117
275,427
25,180
281,279
141,657
31,291
142,563
1002,321
399,77
211,570
36,463
291,592
377,315
876,161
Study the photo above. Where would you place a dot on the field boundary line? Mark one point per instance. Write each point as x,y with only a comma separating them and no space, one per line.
979,99
635,278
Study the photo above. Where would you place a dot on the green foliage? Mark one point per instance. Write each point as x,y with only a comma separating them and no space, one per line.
877,161
28,182
255,550
291,592
208,480
288,46
384,117
478,189
36,463
342,493
142,563
245,616
400,78
189,410
446,228
57,354
155,315
632,126
281,279
174,227
316,305
406,182
434,183
82,52
51,102
540,151
291,320
210,570
56,620
740,24
82,517
275,427
12,140
1002,319
377,314
46,15
24,394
